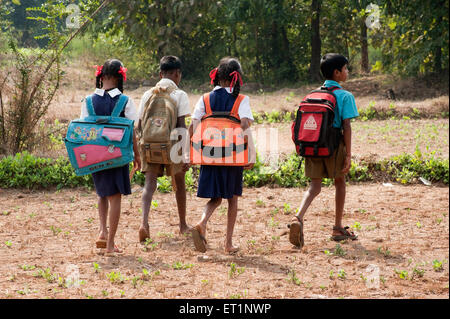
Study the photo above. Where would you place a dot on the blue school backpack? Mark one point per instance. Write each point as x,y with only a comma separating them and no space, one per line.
97,143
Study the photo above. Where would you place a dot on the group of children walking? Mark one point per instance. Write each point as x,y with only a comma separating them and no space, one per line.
216,182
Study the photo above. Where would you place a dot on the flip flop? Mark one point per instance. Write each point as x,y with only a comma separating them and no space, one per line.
114,253
100,243
233,251
345,234
199,240
296,233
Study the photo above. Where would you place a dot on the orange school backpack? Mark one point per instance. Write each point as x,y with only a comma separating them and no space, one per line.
219,139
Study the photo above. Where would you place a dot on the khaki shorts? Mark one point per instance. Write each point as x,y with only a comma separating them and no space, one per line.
159,169
329,167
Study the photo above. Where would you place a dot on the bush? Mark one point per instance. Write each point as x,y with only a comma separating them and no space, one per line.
27,171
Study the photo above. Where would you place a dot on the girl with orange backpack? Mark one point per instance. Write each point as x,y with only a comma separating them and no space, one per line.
221,143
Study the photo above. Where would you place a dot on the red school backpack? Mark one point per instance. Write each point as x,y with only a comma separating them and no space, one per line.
312,131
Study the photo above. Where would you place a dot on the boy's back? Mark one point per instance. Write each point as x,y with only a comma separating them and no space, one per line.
179,96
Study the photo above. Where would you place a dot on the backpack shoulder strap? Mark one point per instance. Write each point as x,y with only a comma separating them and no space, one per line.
90,106
120,105
331,88
235,110
207,102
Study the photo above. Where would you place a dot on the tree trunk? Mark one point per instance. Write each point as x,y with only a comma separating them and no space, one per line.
364,48
314,69
437,65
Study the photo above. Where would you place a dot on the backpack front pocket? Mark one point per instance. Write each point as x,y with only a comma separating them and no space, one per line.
87,155
310,126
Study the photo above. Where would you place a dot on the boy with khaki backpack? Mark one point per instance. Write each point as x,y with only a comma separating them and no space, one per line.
162,110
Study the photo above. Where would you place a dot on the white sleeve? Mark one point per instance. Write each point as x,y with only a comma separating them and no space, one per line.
84,110
144,100
244,109
130,110
199,110
183,104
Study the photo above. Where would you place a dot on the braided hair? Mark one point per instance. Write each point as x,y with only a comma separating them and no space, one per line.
224,73
111,68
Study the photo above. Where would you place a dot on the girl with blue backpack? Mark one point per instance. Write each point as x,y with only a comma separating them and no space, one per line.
111,184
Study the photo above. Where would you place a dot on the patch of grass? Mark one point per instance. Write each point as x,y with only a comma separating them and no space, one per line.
46,274
260,203
116,277
97,267
235,271
342,274
292,277
149,245
339,251
418,272
384,251
55,230
438,265
402,274
180,266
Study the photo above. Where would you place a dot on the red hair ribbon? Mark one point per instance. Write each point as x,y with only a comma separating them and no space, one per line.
236,76
99,70
123,71
213,75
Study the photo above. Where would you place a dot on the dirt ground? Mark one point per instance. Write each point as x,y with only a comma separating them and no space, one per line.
403,231
47,237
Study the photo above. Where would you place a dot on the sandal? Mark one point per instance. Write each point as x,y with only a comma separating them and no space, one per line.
114,253
100,243
345,234
296,233
199,240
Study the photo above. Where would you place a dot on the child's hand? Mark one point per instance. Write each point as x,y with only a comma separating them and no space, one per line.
186,167
249,166
137,162
347,164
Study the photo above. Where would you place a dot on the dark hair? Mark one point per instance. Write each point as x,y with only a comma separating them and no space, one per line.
226,67
169,63
111,68
331,62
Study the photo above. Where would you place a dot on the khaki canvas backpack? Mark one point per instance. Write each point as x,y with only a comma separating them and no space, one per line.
156,123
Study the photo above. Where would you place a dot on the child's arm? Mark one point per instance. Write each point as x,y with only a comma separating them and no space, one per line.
348,145
137,157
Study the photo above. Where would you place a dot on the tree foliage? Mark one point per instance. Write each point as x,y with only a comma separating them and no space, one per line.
272,38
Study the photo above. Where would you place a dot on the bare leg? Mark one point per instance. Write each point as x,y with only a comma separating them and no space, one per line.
114,216
339,183
313,190
209,210
232,214
147,196
103,217
180,196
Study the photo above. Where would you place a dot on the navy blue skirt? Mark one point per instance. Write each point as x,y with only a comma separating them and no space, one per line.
220,181
112,181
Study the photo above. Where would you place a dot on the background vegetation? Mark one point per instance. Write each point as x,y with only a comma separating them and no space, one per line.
276,40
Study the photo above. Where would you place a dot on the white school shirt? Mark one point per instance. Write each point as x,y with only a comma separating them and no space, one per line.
130,108
244,108
179,96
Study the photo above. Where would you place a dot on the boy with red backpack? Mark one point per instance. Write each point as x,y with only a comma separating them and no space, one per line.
322,134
